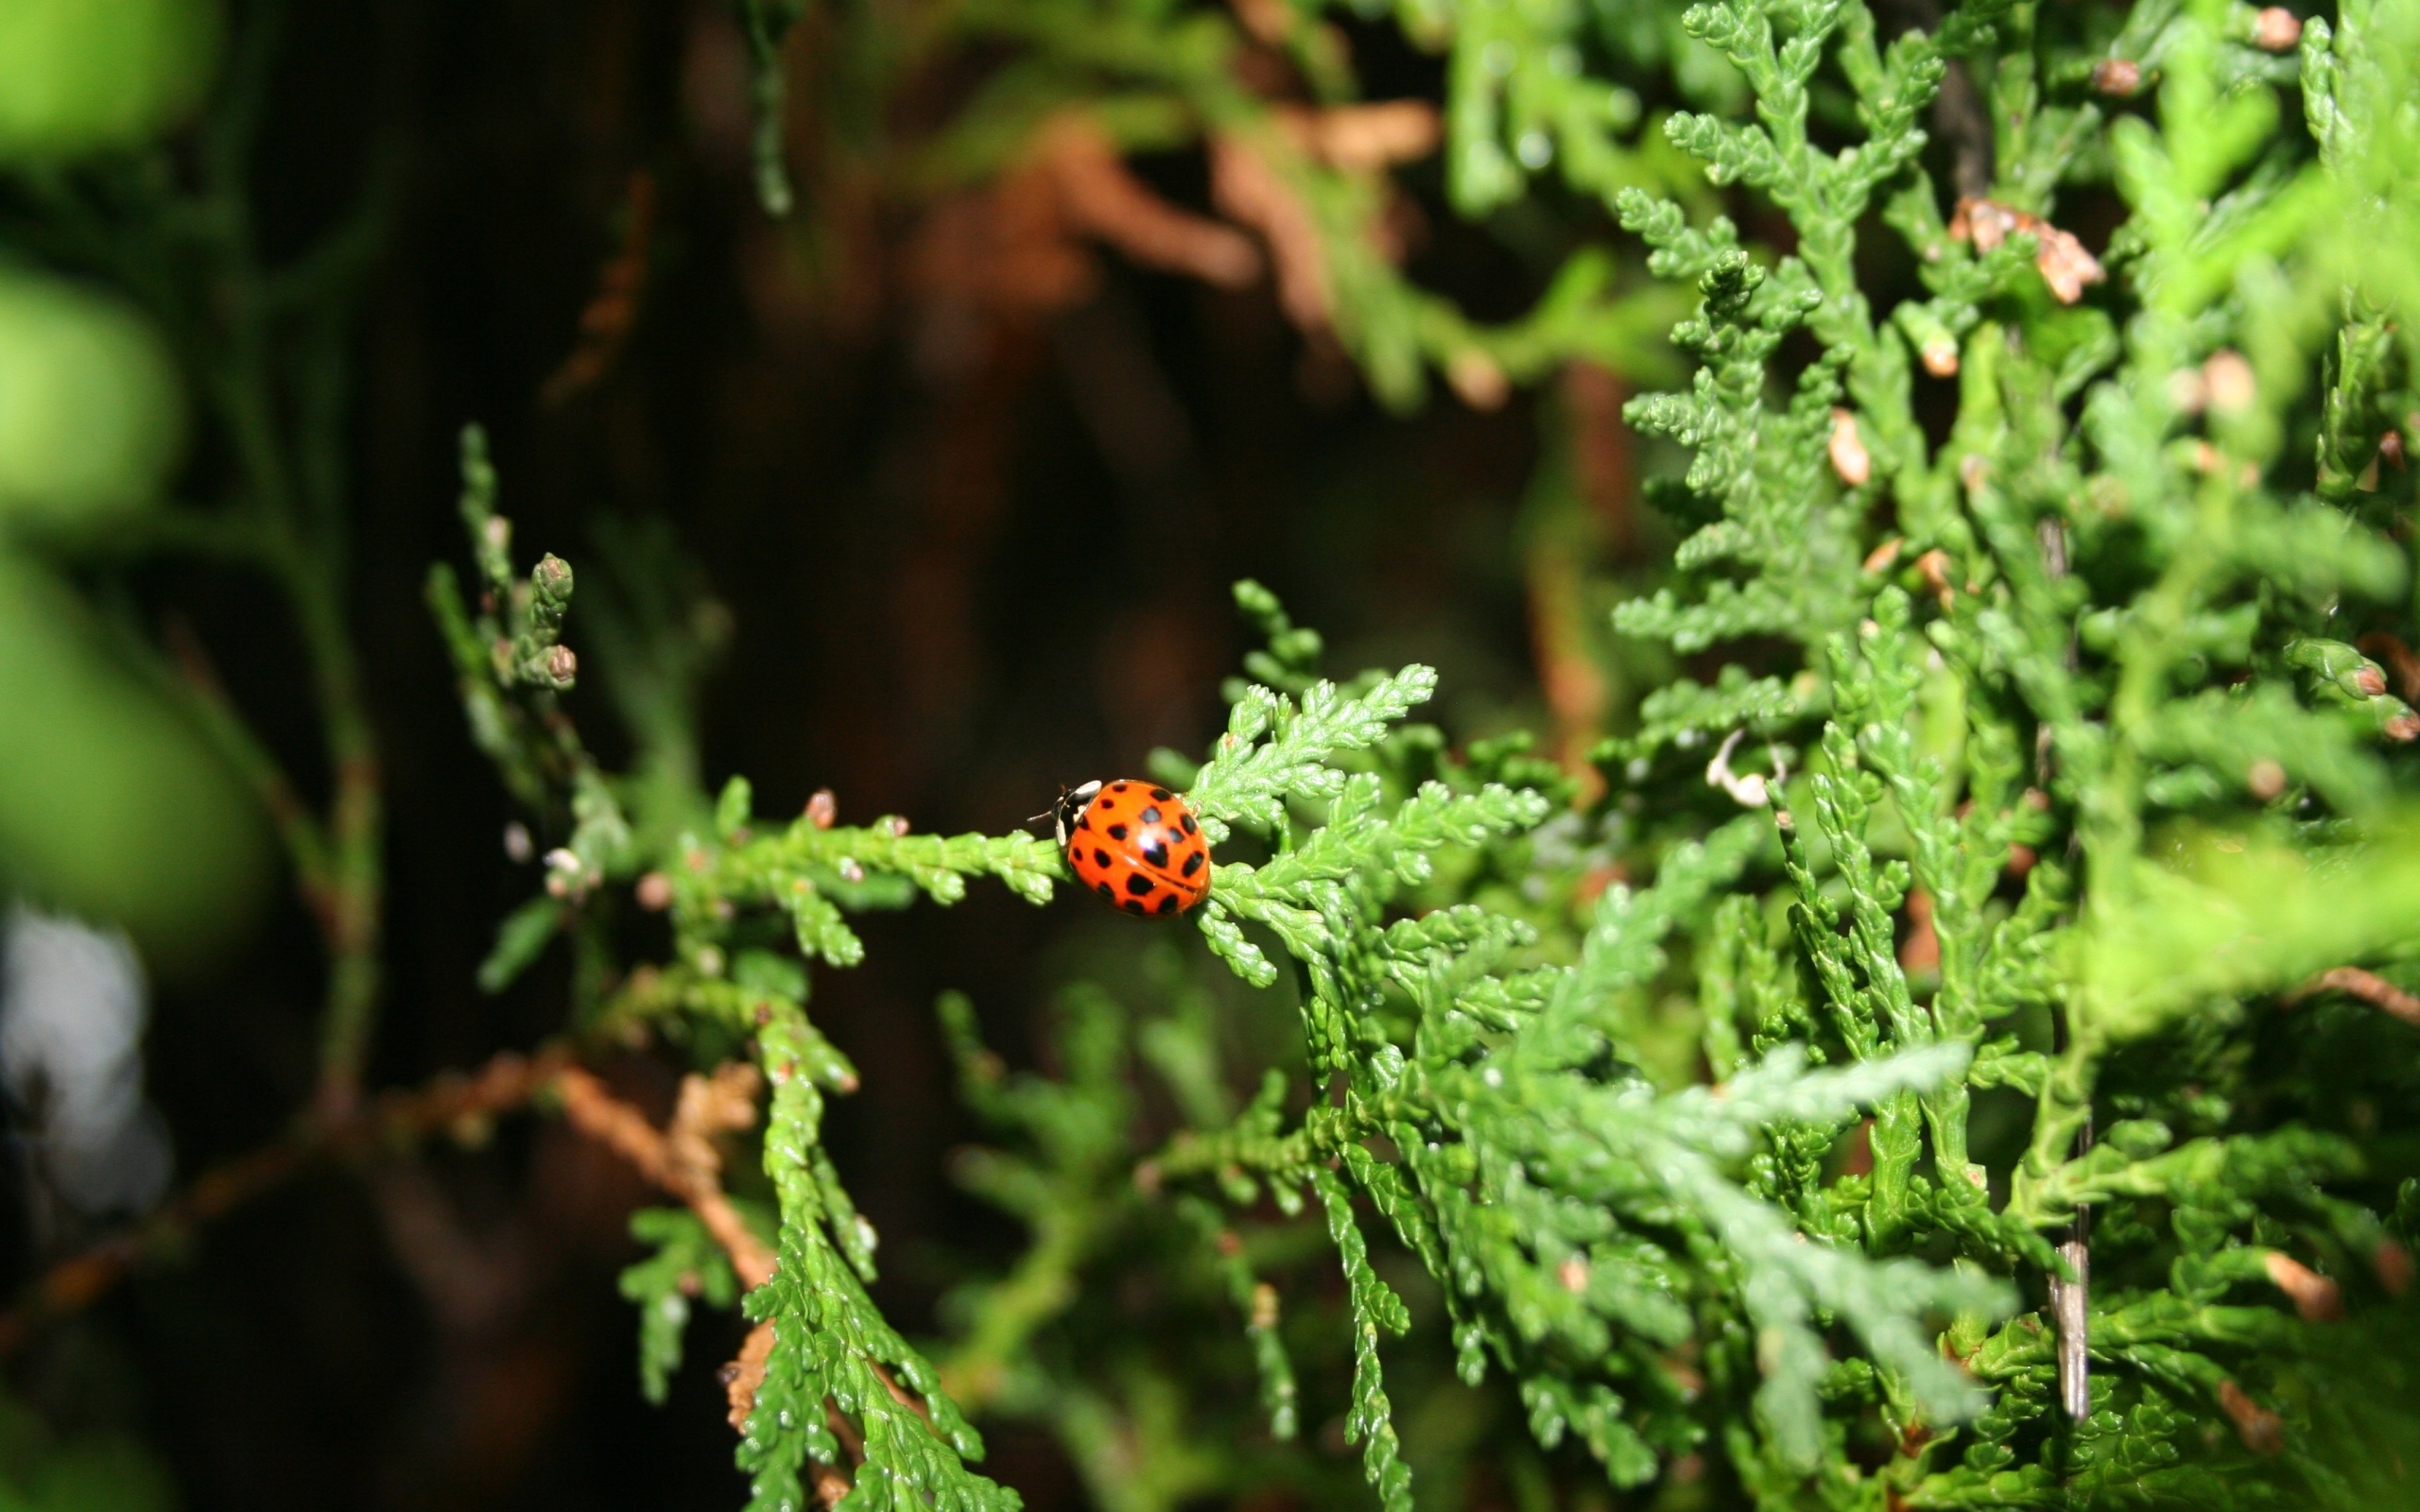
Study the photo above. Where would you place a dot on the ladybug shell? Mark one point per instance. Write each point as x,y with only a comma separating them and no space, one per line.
1137,845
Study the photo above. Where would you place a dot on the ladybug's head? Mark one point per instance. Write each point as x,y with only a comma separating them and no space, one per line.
1071,803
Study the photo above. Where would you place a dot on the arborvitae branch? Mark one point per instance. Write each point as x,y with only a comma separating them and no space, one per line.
2041,747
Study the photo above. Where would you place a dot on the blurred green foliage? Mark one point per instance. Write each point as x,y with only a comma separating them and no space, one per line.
112,804
42,1472
91,412
85,78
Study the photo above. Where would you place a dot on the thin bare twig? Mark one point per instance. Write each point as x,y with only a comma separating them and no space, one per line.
396,1118
205,695
2072,1295
1099,196
282,418
682,1159
605,323
2371,989
1250,187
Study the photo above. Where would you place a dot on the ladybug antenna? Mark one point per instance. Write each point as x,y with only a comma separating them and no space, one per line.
1052,811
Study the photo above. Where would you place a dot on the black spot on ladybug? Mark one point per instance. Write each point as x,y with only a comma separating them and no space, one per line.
1117,831
1117,787
1191,828
1168,903
1159,795
1156,853
1101,858
1152,815
1084,823
1138,885
1193,863
1103,804
1135,905
1105,890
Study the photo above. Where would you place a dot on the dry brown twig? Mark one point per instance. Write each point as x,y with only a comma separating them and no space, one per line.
606,321
450,1101
1364,137
1556,556
746,1373
1018,245
1251,189
2371,989
1005,250
681,1158
1101,198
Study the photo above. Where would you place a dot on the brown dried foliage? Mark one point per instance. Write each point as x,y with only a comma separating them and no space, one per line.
2316,1297
2120,76
1364,137
2261,1431
1850,460
2062,260
1921,949
1018,246
2276,29
744,1375
1251,189
605,323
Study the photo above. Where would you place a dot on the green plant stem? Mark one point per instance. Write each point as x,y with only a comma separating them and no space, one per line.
340,862
297,511
351,900
1022,1303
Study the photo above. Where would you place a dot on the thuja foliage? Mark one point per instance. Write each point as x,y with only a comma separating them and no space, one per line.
745,909
1954,1049
1563,1202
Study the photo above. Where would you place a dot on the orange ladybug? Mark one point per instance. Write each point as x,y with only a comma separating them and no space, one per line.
1137,845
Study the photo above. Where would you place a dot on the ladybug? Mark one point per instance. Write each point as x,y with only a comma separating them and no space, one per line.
1137,845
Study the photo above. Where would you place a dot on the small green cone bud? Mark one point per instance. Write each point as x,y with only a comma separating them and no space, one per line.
551,580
